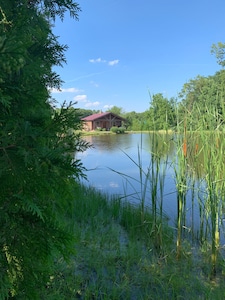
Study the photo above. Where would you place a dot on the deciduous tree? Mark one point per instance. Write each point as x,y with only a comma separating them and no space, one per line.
161,113
219,51
116,110
202,102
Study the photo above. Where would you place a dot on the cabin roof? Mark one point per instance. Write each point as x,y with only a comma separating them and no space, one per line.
99,116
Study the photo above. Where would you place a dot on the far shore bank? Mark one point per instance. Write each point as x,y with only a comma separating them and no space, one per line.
105,132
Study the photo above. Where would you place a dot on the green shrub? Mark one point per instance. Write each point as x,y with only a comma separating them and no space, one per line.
115,129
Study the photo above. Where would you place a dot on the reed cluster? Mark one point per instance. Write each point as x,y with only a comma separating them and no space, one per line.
198,173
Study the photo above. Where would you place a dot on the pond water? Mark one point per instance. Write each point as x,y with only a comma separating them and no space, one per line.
113,166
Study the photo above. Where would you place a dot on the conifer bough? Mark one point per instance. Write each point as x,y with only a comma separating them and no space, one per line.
38,171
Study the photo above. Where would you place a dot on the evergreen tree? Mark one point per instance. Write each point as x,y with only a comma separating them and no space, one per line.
37,146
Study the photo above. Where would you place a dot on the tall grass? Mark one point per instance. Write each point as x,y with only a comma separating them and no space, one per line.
151,184
159,160
201,162
214,182
199,179
115,257
180,169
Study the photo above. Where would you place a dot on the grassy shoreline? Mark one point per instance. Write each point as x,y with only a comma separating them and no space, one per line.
99,132
117,258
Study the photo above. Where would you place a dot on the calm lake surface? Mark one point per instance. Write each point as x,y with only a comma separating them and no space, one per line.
113,167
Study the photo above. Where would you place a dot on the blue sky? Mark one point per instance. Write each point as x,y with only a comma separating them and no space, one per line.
120,50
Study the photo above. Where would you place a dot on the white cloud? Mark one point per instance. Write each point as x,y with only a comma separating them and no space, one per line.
97,60
113,62
68,90
80,98
55,91
83,98
108,106
90,104
113,184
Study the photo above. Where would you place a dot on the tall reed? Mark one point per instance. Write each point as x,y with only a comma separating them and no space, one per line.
208,165
180,170
151,182
199,171
215,189
159,159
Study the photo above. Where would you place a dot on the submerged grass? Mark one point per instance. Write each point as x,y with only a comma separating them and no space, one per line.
116,257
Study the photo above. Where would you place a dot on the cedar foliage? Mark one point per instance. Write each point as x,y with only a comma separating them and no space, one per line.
37,145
